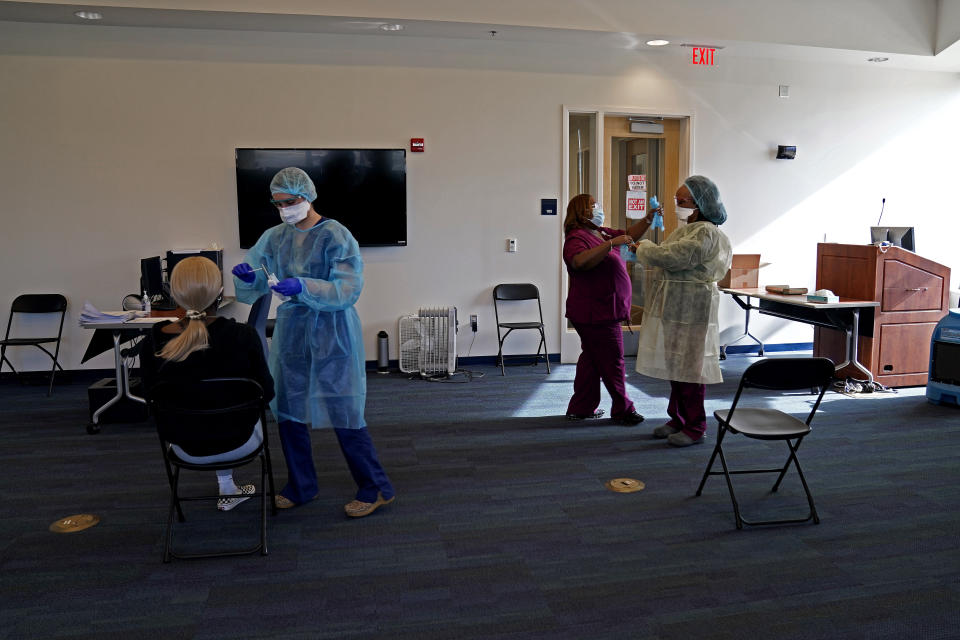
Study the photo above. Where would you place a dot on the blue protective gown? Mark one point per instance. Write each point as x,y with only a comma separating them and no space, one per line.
316,356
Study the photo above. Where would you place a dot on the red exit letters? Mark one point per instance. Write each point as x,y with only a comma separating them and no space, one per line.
703,55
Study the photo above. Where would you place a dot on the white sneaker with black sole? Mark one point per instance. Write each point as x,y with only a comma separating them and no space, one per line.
225,503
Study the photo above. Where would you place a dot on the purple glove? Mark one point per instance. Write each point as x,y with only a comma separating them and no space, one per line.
288,287
244,272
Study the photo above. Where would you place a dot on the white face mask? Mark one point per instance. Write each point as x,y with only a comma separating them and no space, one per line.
597,218
682,214
295,212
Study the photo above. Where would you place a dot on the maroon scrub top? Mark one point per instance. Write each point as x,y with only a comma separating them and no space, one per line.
600,295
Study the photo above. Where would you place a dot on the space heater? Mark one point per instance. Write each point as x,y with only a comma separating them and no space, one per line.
428,342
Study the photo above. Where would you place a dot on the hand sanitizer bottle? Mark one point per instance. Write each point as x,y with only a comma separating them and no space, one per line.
145,304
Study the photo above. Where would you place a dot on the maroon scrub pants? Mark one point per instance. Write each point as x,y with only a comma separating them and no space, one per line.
686,409
601,359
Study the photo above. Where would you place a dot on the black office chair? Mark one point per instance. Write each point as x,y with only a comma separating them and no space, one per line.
516,293
35,303
212,415
258,320
775,374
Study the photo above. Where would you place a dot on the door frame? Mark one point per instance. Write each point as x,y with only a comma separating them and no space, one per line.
569,341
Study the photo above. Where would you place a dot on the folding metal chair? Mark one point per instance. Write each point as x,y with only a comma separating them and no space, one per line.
35,303
773,374
218,414
513,293
258,320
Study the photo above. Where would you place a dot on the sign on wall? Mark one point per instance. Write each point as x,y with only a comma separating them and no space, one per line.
636,196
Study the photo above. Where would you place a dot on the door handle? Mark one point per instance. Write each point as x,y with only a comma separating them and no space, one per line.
917,289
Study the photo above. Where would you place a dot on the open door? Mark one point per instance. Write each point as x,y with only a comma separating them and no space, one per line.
656,147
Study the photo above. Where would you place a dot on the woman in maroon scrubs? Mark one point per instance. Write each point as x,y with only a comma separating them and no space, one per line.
597,303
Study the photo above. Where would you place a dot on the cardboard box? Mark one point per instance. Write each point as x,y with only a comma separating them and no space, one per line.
744,272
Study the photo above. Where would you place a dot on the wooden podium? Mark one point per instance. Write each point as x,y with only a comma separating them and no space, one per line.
913,293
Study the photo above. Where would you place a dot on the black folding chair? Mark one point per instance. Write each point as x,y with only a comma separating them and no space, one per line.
209,416
516,293
258,320
35,303
774,374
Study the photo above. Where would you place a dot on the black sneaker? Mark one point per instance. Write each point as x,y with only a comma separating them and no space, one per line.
628,419
596,414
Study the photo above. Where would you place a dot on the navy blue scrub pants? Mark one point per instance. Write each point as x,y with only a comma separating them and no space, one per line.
358,450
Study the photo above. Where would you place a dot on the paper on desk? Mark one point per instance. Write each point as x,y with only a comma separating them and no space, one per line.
91,315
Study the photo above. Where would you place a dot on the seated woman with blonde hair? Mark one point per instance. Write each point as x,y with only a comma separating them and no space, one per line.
199,346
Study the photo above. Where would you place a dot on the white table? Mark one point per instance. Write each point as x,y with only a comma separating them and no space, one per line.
122,371
843,315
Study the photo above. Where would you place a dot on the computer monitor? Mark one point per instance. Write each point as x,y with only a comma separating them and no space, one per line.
897,236
151,276
176,255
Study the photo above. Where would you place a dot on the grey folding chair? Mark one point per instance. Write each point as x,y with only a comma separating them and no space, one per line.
518,292
772,374
35,303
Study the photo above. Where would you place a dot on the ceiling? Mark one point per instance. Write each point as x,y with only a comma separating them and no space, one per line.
911,34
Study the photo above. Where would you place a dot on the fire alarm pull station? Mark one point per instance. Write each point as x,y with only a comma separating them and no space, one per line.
416,145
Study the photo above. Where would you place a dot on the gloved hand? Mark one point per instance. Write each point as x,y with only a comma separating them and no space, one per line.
288,287
244,272
657,220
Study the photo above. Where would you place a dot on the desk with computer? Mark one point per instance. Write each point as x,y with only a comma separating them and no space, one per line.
155,279
116,395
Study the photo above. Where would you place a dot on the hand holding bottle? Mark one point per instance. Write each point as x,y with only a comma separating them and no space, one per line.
287,286
657,222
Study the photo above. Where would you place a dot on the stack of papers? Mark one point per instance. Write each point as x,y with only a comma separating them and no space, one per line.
91,315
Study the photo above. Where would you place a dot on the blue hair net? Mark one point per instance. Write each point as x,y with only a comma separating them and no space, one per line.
294,181
707,197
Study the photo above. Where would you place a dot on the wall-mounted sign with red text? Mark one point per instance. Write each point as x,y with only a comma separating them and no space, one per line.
703,55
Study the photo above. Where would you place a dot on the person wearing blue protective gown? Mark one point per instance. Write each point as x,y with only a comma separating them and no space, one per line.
316,356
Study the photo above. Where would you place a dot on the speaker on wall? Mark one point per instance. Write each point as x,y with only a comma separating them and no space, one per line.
785,152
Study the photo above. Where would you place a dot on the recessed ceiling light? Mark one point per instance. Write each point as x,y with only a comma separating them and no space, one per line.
658,43
877,59
88,15
391,27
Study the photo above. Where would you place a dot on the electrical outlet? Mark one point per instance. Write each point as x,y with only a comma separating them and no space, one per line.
473,322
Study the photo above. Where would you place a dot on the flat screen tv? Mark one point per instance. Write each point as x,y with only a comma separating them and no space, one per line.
363,189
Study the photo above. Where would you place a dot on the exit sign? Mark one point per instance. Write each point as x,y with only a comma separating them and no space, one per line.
703,55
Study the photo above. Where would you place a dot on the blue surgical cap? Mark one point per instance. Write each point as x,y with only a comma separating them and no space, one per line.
294,181
707,197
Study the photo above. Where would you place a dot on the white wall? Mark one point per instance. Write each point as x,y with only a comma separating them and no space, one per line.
118,144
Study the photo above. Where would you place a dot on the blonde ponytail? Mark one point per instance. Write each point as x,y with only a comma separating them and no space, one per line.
195,285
